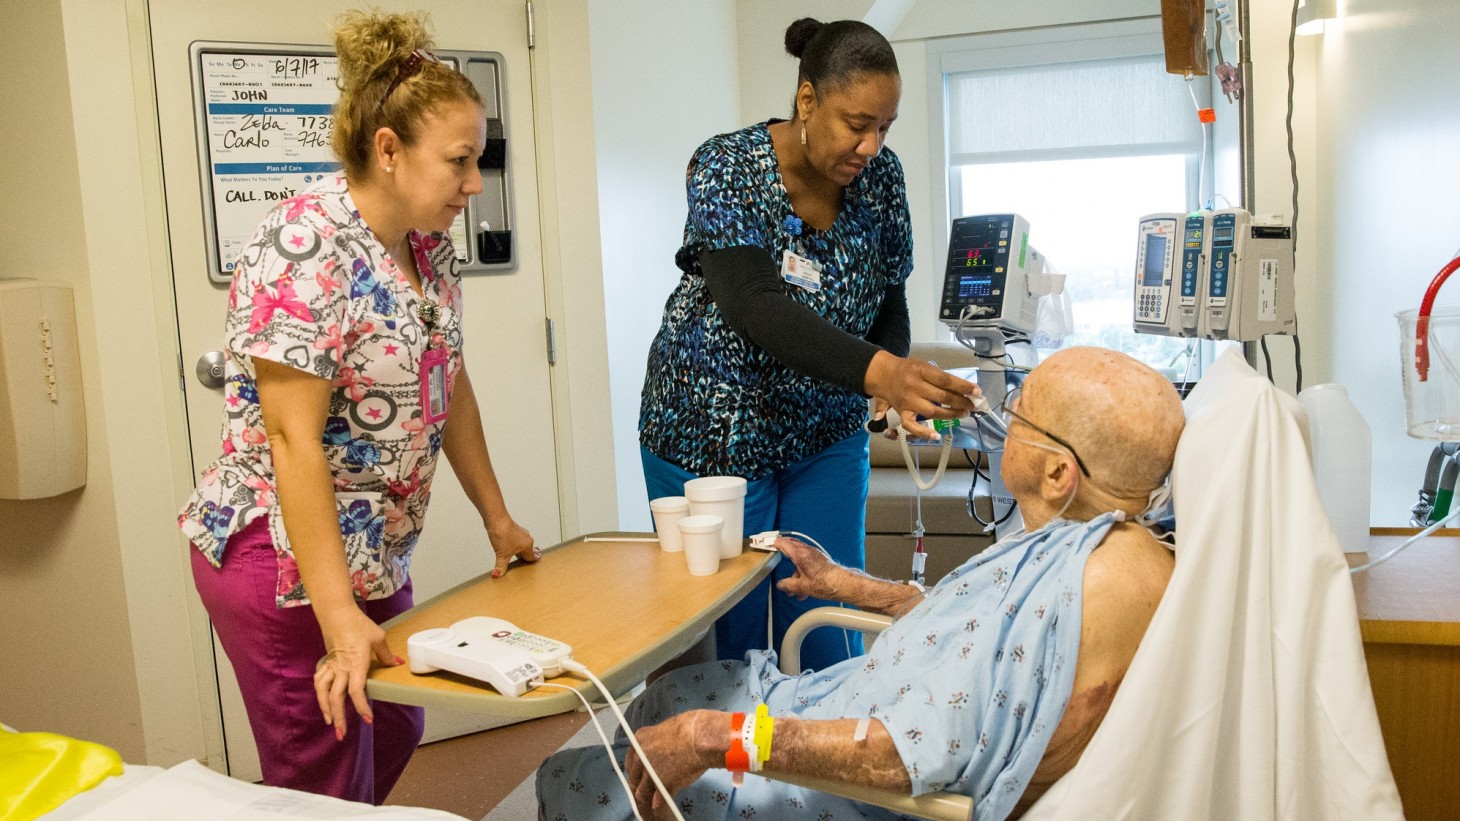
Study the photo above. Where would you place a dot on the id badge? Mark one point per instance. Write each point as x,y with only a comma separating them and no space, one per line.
800,271
434,398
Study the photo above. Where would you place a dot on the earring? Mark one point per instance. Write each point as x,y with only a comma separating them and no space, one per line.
390,169
803,135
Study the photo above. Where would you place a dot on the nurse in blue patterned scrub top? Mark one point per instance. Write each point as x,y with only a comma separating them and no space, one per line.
790,311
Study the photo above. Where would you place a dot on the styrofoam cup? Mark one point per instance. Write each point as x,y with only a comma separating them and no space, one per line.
701,537
668,510
722,496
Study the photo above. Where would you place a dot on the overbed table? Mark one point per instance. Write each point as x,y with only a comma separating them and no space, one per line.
625,606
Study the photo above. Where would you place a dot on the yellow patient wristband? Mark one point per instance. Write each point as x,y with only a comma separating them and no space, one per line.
752,749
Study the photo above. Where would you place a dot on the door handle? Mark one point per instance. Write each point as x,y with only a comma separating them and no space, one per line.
210,369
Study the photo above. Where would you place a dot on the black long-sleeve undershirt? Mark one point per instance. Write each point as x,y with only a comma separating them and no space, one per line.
746,287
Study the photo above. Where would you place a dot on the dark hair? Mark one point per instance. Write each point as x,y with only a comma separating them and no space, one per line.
833,54
385,83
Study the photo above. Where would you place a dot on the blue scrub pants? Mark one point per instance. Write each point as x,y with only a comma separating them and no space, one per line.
823,496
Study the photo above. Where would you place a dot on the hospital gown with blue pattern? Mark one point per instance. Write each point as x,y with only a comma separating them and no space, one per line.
970,684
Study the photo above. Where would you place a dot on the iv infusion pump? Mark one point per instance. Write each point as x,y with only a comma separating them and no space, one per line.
1214,275
1156,262
991,268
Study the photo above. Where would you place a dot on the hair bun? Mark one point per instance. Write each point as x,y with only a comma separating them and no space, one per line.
372,44
800,34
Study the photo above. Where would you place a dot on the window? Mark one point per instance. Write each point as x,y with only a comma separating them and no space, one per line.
1082,136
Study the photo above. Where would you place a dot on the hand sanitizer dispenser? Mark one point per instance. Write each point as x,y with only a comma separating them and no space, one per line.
42,415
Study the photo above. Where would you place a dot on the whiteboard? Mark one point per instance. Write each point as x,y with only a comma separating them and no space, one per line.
264,115
264,122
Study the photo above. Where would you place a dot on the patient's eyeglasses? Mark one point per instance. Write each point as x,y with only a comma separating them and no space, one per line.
1008,414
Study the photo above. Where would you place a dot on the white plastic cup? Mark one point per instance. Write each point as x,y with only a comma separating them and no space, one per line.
722,496
668,510
701,537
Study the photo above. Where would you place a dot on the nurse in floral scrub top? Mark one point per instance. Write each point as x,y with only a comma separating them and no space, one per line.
345,381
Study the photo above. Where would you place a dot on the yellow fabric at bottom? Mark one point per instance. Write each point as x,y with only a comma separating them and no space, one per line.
40,771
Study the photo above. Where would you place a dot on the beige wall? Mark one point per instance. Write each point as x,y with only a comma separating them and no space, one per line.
60,558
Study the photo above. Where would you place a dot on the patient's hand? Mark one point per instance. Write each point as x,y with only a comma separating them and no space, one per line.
816,575
681,749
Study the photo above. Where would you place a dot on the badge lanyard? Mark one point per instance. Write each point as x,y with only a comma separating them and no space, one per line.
434,395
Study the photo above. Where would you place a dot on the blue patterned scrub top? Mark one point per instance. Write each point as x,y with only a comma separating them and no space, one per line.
716,404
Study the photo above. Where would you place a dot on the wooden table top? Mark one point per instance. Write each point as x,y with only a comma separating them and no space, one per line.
625,606
1413,598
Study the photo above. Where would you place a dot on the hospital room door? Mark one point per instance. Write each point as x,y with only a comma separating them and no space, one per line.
504,319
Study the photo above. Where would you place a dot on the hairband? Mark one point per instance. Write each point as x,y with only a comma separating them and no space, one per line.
408,69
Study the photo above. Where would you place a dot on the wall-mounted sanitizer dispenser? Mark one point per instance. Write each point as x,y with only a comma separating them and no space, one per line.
42,413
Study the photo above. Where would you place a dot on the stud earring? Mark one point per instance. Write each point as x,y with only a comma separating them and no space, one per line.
803,135
390,169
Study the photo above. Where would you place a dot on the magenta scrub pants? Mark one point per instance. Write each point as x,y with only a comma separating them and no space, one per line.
274,651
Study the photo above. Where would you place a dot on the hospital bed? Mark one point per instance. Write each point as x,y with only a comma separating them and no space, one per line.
189,791
1249,696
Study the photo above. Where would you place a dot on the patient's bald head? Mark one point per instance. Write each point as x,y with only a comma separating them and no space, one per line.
1122,417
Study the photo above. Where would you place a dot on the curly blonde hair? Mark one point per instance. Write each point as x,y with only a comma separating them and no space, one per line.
373,46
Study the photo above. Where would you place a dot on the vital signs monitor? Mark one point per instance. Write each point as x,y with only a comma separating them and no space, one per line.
986,281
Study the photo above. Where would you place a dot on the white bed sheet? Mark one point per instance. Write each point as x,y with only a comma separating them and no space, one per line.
190,791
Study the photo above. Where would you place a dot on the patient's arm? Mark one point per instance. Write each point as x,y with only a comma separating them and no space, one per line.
819,577
828,749
1124,580
685,746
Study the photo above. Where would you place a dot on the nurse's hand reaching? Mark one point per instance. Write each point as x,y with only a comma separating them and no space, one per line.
917,387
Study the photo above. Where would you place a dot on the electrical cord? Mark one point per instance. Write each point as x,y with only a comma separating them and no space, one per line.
1266,357
607,745
1298,355
1186,377
1292,155
575,667
972,505
1411,540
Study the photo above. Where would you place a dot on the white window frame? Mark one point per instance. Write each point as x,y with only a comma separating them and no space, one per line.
1076,43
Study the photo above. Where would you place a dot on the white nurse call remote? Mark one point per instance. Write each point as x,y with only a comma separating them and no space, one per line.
509,670
549,654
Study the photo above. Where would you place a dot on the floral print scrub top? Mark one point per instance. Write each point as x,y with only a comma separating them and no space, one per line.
315,290
716,404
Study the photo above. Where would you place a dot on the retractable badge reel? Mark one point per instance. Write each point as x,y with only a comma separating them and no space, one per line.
434,395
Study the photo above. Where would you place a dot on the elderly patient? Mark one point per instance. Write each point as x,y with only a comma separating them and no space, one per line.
989,685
